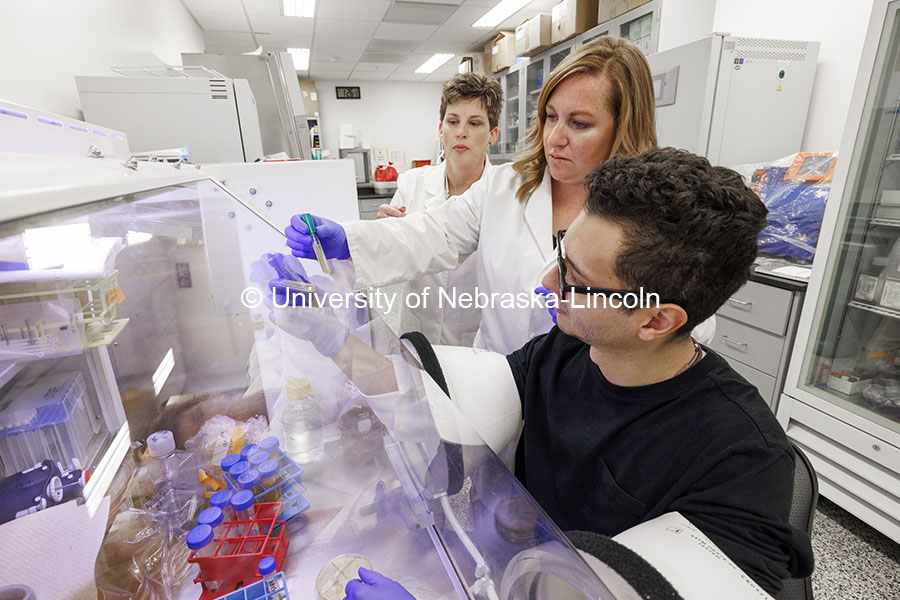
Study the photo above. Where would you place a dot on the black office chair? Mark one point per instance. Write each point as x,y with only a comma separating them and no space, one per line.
803,510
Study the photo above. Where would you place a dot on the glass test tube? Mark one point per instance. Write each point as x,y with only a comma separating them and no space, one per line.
213,517
267,570
270,445
269,479
222,501
242,503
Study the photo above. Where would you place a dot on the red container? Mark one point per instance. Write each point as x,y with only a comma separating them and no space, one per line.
234,564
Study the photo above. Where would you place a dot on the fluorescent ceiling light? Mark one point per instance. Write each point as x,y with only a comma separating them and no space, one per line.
433,63
501,12
299,8
301,58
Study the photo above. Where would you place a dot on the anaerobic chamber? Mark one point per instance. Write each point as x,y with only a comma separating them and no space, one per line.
134,283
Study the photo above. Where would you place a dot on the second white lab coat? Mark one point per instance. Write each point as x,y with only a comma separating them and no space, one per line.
419,190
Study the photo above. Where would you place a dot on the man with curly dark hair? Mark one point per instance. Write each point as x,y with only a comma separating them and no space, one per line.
626,417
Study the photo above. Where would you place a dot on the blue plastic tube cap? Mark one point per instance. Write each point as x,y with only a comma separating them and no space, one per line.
269,444
229,461
249,480
268,469
221,499
199,536
238,470
267,566
210,516
242,500
258,458
247,450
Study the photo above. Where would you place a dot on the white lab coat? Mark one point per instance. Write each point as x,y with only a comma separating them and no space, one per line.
514,241
420,190
515,249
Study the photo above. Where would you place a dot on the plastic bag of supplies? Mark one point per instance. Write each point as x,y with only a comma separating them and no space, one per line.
794,189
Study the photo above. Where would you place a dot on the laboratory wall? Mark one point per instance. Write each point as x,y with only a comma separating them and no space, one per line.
685,21
838,24
44,44
396,115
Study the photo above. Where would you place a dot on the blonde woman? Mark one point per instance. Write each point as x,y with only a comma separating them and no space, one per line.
597,103
470,112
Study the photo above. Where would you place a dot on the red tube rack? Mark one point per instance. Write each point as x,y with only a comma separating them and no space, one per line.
235,561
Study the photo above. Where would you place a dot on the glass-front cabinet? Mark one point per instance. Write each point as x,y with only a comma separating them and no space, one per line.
844,406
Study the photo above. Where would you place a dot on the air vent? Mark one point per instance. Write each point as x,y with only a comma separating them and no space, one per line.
218,89
771,44
419,13
771,55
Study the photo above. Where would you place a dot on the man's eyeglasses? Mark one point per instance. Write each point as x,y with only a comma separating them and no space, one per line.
565,288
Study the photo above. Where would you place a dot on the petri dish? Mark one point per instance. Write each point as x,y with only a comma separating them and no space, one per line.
337,572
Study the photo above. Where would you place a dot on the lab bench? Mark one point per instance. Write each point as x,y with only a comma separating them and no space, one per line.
370,199
755,331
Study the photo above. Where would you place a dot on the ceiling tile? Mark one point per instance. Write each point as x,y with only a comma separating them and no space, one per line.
397,76
418,13
369,75
322,42
416,59
284,41
228,38
442,48
361,10
485,3
379,67
439,1
466,35
327,65
401,46
282,25
465,16
272,8
336,56
402,31
221,21
384,57
340,28
228,6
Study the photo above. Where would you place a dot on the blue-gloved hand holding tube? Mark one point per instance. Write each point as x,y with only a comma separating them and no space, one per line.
372,585
331,235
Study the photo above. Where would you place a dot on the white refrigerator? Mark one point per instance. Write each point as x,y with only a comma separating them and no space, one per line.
841,401
734,100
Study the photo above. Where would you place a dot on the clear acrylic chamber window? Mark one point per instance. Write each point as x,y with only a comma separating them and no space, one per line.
126,308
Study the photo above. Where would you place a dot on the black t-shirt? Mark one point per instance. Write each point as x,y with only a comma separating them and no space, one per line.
601,457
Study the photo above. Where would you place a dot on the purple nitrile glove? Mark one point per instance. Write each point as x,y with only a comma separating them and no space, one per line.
331,234
372,585
551,300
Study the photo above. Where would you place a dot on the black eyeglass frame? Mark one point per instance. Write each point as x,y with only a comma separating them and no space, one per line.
577,289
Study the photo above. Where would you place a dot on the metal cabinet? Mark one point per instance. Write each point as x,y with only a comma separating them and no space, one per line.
523,81
755,330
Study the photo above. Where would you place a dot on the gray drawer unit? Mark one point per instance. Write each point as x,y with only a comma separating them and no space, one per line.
368,207
760,305
755,331
754,347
